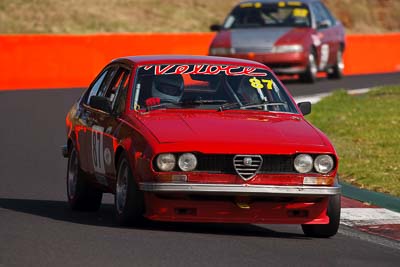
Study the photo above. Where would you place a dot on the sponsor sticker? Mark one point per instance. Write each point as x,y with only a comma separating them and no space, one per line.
259,84
107,156
204,69
257,5
300,12
246,5
294,3
97,149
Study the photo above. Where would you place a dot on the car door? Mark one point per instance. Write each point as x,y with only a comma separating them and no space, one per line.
325,33
103,139
85,117
335,34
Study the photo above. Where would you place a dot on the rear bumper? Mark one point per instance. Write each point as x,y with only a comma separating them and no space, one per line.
240,189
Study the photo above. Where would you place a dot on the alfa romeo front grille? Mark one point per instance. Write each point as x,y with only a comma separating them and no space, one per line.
223,163
247,166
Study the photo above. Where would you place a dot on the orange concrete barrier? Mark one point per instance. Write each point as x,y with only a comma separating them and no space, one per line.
63,61
367,54
57,61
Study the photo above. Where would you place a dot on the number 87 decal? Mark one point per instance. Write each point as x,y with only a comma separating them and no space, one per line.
97,149
259,84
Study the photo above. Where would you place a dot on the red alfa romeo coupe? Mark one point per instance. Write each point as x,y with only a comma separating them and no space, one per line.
199,139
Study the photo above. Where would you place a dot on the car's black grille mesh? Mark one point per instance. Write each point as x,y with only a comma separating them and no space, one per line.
277,164
224,163
216,163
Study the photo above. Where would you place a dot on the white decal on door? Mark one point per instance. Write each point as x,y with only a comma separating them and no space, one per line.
324,56
97,149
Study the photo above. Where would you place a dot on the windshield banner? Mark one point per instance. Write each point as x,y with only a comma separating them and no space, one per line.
204,69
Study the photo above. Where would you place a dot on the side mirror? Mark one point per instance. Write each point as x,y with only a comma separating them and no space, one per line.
305,107
215,28
100,102
323,24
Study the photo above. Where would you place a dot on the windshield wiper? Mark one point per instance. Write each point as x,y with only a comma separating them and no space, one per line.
227,106
264,104
159,106
234,105
185,103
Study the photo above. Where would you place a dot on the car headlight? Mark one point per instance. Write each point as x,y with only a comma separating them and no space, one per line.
287,48
303,163
187,162
222,51
323,163
166,162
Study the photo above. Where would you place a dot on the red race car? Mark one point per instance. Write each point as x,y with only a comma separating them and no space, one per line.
291,37
200,139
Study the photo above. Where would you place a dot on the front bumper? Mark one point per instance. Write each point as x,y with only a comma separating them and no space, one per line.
240,189
281,63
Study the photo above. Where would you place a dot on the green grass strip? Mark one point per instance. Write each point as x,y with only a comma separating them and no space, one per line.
365,130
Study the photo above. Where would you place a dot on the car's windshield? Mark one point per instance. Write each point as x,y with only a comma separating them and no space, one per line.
280,14
217,87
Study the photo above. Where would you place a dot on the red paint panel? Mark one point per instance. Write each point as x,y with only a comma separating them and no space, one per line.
351,203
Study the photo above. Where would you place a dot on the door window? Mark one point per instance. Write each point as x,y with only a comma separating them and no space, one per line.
101,83
96,86
117,88
326,13
320,13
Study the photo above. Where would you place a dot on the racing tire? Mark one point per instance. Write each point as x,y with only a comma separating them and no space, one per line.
81,196
128,199
326,230
310,75
336,72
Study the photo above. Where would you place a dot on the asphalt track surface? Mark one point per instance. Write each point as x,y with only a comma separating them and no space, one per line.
38,229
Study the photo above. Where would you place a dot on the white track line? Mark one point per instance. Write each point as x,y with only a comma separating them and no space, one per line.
368,216
317,97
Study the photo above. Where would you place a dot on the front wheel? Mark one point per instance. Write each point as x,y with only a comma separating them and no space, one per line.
129,200
81,196
326,230
310,75
336,72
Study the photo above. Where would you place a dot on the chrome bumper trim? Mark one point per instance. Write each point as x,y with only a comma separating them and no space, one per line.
241,189
290,70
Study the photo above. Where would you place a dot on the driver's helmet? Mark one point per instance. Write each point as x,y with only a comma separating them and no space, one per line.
168,87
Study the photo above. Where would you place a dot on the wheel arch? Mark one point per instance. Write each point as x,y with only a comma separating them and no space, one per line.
71,142
120,150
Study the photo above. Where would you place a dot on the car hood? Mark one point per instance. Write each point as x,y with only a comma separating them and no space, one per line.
263,39
231,129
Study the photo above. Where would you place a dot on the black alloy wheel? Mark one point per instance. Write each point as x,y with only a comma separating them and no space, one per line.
310,75
128,199
81,195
